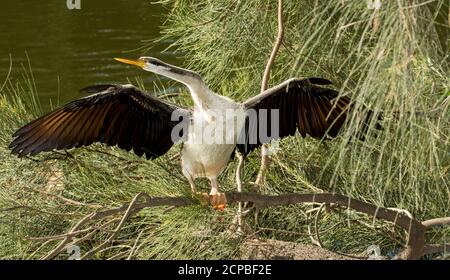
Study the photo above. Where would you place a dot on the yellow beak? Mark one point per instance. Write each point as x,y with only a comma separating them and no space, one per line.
137,62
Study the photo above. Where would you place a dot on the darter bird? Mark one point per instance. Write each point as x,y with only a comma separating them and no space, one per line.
125,116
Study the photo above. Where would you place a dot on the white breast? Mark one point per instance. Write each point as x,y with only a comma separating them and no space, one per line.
212,137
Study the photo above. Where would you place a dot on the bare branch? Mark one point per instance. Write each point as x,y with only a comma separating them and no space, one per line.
67,200
66,240
125,217
415,247
265,158
239,189
276,47
436,222
436,248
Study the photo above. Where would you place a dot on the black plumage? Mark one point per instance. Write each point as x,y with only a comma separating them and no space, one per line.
114,114
133,120
302,104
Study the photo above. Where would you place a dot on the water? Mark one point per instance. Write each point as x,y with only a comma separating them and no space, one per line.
70,49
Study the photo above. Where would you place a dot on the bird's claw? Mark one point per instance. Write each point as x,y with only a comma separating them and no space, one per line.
218,201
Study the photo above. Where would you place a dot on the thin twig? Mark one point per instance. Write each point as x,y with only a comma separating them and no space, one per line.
60,236
133,249
34,209
9,73
436,222
265,158
127,214
316,227
68,200
239,189
63,243
276,47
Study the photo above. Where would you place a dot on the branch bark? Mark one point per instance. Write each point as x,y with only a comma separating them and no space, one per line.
239,189
265,158
436,222
276,47
415,246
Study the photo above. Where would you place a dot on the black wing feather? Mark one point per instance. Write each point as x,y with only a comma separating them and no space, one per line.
303,105
113,114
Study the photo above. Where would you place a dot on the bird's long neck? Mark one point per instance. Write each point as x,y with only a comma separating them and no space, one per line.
200,92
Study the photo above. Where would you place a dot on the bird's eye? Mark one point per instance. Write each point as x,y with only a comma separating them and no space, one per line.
145,59
156,62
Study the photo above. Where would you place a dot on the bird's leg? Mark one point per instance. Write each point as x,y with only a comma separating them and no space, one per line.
192,184
190,180
203,197
218,199
214,186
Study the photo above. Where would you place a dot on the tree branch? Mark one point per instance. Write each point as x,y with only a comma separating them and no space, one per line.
125,217
239,189
436,222
415,246
265,158
276,47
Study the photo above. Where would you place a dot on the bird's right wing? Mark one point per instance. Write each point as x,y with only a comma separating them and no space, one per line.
114,115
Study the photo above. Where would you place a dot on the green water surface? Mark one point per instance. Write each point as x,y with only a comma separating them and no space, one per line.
70,49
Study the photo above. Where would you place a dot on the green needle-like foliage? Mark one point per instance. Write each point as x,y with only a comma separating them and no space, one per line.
393,60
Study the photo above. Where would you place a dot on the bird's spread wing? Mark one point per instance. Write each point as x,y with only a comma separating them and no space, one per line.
301,104
113,114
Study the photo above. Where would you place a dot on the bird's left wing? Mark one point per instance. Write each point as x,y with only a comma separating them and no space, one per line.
114,114
299,104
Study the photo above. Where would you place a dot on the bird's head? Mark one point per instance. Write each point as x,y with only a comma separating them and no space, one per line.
157,66
149,64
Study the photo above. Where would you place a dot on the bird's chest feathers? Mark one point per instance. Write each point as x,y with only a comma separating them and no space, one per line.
210,144
217,126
